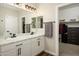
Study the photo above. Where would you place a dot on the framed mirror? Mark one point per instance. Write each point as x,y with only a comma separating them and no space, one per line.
37,22
34,22
40,22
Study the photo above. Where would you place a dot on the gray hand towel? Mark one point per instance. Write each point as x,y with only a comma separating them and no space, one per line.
48,29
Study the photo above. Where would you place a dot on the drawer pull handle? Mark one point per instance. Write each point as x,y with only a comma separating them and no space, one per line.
19,51
19,44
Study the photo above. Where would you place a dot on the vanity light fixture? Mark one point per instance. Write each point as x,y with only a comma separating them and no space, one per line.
30,7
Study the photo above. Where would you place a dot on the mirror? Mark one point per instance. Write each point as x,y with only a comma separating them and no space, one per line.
25,26
37,22
34,22
40,22
14,21
25,22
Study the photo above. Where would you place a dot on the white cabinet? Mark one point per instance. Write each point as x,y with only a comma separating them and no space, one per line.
8,50
9,53
26,47
17,49
37,45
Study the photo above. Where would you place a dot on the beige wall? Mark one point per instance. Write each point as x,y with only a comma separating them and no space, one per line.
49,13
68,13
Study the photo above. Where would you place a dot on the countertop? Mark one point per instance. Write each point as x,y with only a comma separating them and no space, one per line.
18,38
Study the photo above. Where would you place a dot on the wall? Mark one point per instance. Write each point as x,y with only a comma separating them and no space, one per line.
45,9
70,12
49,13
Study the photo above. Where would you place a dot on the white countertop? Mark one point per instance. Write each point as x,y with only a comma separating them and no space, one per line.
18,38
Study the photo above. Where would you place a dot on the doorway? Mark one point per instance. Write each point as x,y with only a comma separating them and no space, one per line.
69,30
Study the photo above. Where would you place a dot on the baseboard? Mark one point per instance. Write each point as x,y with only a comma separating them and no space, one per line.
50,52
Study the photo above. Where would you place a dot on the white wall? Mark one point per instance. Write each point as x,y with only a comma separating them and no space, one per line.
70,12
48,11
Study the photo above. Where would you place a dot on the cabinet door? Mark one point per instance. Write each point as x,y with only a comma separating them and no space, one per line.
37,45
40,44
26,48
34,46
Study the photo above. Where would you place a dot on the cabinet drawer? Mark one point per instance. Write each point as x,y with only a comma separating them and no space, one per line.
12,52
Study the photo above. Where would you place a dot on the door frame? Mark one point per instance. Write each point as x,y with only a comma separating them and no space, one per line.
57,20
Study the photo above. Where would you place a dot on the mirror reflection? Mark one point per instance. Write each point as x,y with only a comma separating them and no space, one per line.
14,21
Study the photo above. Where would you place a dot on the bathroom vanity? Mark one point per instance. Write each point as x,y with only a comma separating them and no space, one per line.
22,45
